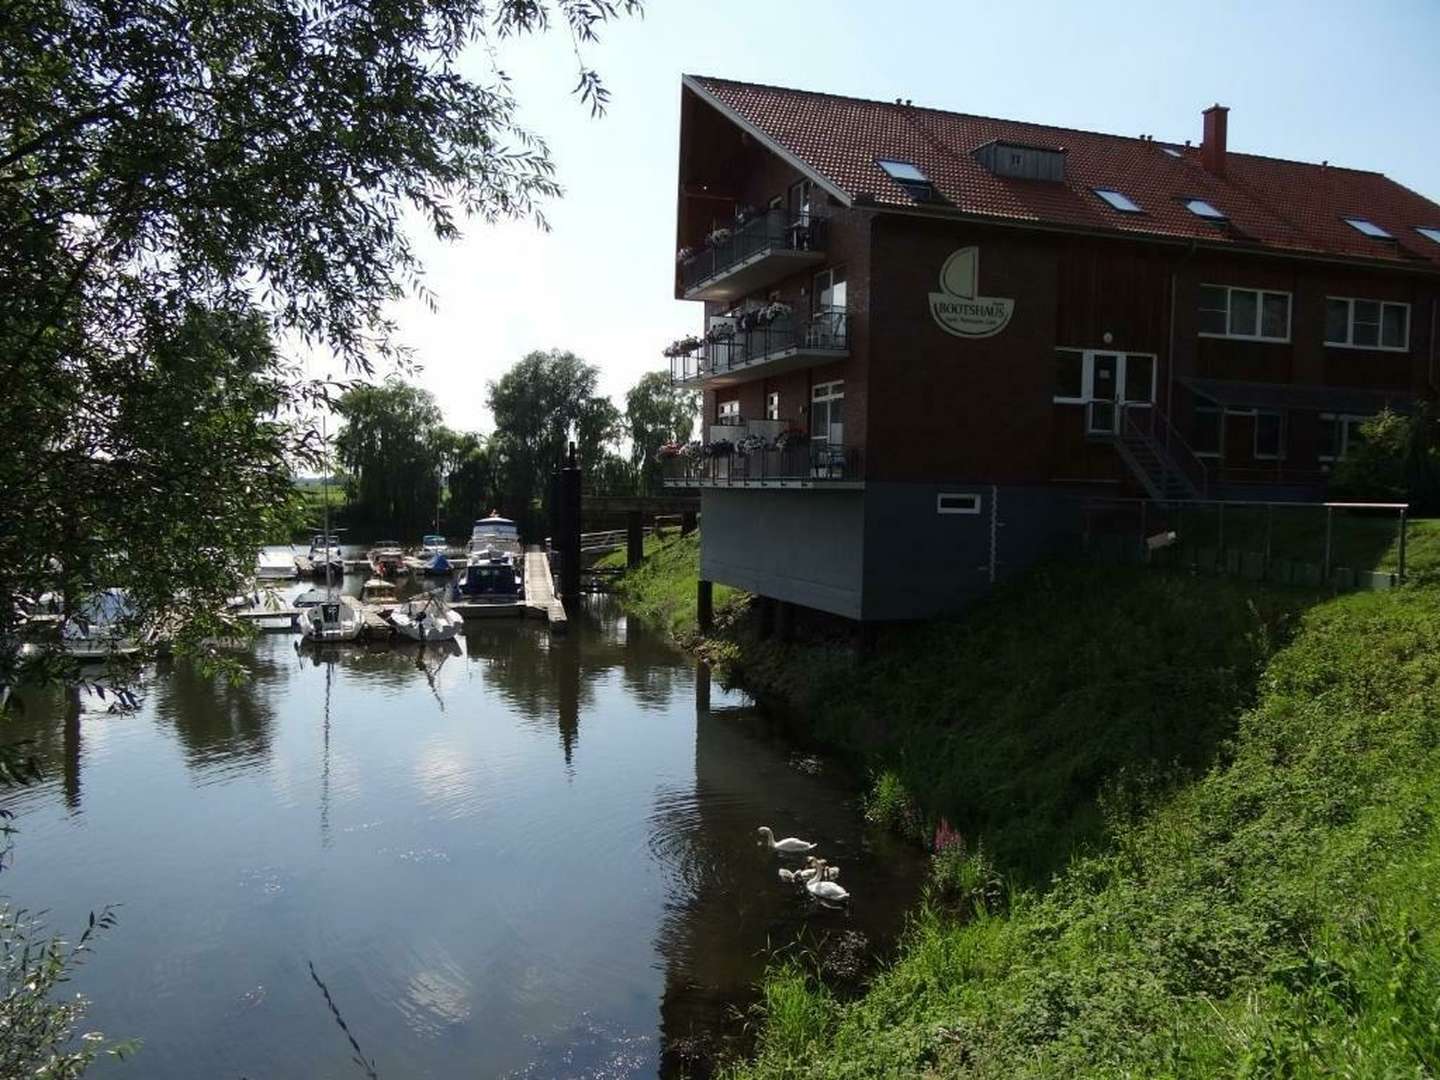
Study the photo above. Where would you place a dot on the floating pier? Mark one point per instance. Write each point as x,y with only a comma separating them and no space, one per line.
540,589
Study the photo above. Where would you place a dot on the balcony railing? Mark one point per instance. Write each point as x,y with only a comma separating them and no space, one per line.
753,254
816,465
783,343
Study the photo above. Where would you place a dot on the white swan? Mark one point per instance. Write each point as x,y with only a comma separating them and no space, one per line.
791,877
790,845
832,873
826,890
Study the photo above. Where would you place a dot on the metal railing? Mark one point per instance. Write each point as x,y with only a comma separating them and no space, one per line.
819,462
1150,422
828,331
766,231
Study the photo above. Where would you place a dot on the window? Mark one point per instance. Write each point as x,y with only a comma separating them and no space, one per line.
1366,324
1369,228
903,171
1429,232
830,290
1339,435
1119,201
827,413
1201,208
1269,435
772,405
728,411
1208,427
1172,151
1070,376
799,198
957,504
1244,313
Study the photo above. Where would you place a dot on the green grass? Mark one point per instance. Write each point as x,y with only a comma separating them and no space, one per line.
1214,808
662,589
1276,915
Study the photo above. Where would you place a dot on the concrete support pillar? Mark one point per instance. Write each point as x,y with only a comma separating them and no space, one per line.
569,527
767,616
688,519
705,605
634,539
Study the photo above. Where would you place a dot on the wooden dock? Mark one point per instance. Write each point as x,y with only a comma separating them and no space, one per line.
540,589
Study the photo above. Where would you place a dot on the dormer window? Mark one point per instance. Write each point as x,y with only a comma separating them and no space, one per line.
1201,208
1369,228
1119,201
1429,233
916,184
1022,162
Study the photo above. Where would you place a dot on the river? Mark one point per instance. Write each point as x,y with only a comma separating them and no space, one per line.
525,856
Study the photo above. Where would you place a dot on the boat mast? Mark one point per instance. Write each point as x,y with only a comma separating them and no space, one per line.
325,494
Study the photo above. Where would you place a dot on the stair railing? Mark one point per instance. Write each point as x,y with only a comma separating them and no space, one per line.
1156,428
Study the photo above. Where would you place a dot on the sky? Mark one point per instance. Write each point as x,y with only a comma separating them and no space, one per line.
1355,84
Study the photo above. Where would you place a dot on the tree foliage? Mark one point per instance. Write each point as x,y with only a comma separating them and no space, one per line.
1396,459
656,412
181,179
392,446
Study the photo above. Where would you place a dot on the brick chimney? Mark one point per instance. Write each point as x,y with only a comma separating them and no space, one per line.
1212,149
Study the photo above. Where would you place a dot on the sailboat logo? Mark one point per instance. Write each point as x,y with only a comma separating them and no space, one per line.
958,309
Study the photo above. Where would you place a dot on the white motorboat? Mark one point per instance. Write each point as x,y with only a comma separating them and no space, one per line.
427,618
493,540
387,559
337,618
378,591
325,556
276,564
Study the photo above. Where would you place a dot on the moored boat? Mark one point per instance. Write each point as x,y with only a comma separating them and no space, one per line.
325,557
276,564
387,559
378,591
489,583
336,618
427,618
435,556
494,539
99,627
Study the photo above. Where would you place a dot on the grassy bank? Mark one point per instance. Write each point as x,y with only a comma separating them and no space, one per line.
1213,808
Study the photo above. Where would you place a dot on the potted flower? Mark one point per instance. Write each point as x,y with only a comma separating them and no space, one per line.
718,236
773,311
684,255
683,347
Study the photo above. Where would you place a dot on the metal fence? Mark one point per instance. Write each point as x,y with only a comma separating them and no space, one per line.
828,331
1317,544
768,230
818,463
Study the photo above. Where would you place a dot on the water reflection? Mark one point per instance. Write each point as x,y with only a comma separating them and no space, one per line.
521,855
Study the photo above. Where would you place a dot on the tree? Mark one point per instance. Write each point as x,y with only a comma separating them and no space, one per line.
539,405
472,479
656,412
392,445
178,180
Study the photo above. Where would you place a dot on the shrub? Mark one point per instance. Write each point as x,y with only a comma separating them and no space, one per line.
891,806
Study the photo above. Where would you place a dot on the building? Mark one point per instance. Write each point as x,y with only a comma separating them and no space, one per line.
924,331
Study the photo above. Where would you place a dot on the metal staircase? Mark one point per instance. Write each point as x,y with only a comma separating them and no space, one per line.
1158,457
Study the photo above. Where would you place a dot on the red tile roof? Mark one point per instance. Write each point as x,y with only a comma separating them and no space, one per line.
1271,203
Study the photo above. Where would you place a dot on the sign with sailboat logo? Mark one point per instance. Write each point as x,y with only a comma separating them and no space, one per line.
958,308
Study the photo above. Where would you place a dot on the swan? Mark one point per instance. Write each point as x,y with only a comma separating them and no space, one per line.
832,873
790,845
826,890
791,877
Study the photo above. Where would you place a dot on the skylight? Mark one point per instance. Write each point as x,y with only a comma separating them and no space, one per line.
1119,200
1369,228
904,172
1429,233
1201,208
1172,151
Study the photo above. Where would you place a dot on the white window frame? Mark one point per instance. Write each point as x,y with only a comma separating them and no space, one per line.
1087,375
1255,415
1260,295
726,410
970,507
1343,422
1349,343
829,275
1430,232
772,405
1118,200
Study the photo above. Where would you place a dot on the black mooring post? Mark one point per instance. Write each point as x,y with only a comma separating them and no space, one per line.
569,542
634,538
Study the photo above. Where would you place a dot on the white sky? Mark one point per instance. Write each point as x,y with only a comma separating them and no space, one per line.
1357,85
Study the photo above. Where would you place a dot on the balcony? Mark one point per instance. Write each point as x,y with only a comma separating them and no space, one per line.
770,246
783,344
813,464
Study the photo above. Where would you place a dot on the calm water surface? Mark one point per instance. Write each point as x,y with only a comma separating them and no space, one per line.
523,856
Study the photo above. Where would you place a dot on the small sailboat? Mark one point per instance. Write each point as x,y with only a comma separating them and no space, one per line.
427,618
336,618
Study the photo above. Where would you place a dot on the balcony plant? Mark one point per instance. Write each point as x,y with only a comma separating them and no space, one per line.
773,311
717,236
719,448
692,450
752,444
685,254
669,451
790,438
719,332
683,347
